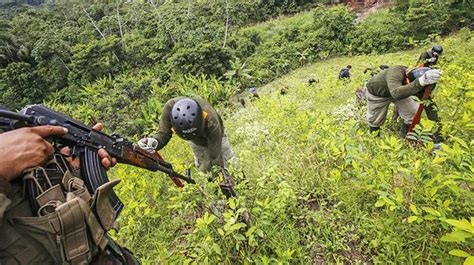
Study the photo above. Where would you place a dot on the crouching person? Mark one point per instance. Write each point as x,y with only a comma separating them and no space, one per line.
196,121
397,84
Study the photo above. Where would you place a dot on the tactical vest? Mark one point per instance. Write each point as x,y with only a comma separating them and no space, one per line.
53,219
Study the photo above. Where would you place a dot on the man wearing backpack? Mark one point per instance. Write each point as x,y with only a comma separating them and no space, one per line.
397,84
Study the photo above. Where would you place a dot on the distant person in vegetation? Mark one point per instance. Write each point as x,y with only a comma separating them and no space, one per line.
397,85
253,91
284,90
196,121
312,81
345,73
430,58
242,102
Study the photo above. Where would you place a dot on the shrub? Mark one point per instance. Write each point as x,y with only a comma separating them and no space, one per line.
381,32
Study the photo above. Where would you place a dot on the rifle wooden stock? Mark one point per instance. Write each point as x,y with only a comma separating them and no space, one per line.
84,141
82,138
152,161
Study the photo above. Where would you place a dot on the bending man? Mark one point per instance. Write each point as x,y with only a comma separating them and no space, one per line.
196,121
430,58
397,85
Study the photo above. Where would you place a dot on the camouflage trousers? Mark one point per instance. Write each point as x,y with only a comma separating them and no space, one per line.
202,154
377,108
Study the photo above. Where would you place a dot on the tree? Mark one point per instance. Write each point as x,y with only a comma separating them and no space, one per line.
11,49
20,85
95,59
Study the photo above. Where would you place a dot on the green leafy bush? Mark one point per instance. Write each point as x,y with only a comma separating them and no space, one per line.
318,187
381,32
20,85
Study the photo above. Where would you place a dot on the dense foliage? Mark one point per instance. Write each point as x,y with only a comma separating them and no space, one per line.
64,47
318,187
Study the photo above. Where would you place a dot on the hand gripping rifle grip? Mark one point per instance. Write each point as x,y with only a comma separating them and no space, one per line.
95,175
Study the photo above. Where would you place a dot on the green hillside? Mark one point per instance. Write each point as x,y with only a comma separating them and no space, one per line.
318,187
314,187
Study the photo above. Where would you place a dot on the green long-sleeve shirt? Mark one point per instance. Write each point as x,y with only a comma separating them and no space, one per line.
392,83
424,57
211,137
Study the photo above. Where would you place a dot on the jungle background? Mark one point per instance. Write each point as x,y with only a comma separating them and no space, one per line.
318,187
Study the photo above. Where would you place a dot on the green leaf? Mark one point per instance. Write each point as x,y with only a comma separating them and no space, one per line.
457,236
469,261
432,211
414,209
398,195
250,231
430,217
380,203
389,202
220,231
236,226
239,237
439,160
459,253
412,219
461,224
232,204
217,248
209,218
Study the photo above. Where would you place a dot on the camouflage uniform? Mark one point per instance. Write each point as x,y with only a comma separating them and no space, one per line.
423,60
210,148
389,86
69,226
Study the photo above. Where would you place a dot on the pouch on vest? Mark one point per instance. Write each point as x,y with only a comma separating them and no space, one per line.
71,223
102,205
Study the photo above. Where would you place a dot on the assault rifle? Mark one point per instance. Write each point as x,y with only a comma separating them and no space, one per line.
84,142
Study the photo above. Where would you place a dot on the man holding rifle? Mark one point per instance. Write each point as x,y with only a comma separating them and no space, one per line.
63,230
397,84
195,120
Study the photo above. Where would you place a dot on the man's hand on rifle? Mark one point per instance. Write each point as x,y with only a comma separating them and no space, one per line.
25,148
106,160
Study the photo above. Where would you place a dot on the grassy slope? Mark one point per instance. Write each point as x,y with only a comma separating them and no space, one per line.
312,177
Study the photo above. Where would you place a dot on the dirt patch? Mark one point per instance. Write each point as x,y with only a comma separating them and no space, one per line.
316,255
368,7
354,254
